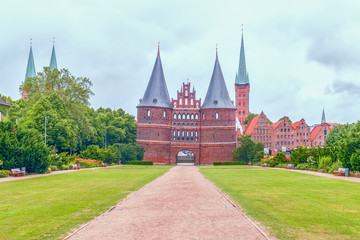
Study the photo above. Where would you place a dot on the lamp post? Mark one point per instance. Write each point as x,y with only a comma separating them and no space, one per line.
46,120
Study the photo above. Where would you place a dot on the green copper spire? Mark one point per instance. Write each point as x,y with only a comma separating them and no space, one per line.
242,77
53,63
323,117
30,70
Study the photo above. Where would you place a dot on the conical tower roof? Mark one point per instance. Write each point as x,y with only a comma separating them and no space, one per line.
156,93
217,95
53,62
242,77
30,70
323,116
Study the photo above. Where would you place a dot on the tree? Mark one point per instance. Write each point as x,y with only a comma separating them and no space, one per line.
248,151
251,115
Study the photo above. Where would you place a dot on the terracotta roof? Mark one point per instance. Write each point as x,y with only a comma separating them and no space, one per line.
275,125
295,124
252,125
314,132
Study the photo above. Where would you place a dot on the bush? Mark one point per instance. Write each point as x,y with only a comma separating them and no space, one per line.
355,161
302,166
90,164
4,173
139,162
336,165
228,163
325,163
53,168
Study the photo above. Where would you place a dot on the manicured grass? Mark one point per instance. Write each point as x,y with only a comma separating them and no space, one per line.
50,207
227,167
144,166
294,205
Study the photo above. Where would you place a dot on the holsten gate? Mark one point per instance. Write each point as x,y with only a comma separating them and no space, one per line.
184,130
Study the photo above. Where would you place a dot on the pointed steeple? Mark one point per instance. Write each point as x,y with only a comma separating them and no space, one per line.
323,116
217,95
53,62
156,93
30,70
242,77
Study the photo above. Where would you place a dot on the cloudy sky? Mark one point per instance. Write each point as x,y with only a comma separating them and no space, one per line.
302,56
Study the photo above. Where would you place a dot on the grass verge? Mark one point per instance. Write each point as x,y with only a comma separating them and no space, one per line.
294,205
144,167
50,207
227,167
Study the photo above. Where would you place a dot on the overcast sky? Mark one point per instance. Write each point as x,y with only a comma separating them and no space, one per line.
302,56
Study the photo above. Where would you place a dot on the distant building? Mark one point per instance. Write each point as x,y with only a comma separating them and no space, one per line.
182,131
30,69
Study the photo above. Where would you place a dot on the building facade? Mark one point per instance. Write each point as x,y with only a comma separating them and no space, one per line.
184,131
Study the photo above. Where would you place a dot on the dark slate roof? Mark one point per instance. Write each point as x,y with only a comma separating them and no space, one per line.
53,62
2,102
242,77
217,95
156,93
30,70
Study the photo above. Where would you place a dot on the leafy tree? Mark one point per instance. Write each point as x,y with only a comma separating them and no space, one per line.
251,115
248,151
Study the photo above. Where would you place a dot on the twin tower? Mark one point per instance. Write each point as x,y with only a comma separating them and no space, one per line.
184,130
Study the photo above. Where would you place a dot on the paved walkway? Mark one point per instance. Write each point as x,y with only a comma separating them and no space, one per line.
181,204
8,179
351,179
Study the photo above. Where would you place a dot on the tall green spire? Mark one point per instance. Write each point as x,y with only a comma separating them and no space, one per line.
30,70
323,116
242,77
53,63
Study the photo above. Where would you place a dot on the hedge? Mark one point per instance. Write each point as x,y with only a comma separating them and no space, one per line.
227,163
139,163
4,173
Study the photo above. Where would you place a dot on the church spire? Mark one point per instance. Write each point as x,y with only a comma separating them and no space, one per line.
217,95
30,70
323,116
156,93
53,62
242,77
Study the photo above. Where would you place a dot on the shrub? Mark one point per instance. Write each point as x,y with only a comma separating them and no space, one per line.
227,163
355,161
325,163
302,166
4,173
135,162
53,168
336,165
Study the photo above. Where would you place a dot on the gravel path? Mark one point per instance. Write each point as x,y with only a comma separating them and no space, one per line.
181,204
9,179
351,179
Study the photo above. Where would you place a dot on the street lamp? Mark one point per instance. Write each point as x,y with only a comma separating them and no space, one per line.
46,120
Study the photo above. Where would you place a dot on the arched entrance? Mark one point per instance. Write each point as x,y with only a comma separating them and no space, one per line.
185,157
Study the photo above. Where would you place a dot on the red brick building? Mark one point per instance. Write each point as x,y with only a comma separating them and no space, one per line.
182,131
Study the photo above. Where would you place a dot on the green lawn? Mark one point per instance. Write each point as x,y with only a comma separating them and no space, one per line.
50,207
294,205
144,166
227,167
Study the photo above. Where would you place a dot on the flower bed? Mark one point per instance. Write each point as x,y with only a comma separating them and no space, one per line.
88,160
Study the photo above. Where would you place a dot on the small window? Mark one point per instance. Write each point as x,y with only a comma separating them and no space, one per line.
148,113
192,116
165,113
196,116
174,104
191,102
180,102
203,116
179,116
254,138
216,115
186,102
196,133
175,115
188,116
174,133
183,116
186,94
